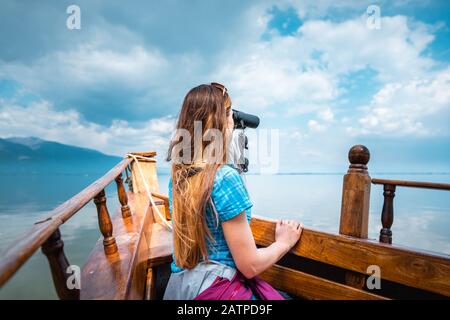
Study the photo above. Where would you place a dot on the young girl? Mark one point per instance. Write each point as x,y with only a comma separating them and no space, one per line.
215,255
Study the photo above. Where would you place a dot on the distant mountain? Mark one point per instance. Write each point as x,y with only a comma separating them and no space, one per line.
35,154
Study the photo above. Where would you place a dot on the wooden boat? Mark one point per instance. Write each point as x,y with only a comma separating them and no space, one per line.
132,258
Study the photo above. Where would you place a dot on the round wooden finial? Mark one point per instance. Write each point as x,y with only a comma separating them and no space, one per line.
359,156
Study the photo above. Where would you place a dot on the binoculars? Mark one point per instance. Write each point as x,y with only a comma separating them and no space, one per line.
242,121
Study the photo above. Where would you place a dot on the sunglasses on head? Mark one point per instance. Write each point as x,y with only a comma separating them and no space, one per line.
221,87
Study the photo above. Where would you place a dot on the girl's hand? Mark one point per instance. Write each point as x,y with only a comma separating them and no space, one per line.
288,232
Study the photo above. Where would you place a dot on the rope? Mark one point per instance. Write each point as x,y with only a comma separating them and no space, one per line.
147,189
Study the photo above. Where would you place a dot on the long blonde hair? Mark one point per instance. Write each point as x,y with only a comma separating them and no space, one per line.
193,178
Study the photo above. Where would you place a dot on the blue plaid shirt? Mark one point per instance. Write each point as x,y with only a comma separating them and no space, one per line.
230,198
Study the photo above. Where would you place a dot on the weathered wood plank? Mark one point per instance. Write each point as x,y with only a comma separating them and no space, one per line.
311,287
424,270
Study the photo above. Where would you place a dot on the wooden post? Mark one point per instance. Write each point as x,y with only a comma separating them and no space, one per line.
104,221
148,167
387,215
123,199
356,194
355,203
53,248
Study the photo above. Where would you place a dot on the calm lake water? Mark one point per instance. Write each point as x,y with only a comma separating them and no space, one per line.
422,217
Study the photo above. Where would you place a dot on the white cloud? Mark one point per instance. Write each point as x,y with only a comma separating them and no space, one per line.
326,115
89,66
292,135
122,76
418,107
260,79
302,73
42,120
297,73
394,51
315,126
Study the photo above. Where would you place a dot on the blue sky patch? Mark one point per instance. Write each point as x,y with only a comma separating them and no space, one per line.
285,22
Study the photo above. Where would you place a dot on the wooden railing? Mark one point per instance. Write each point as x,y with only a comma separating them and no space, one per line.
387,213
45,232
330,266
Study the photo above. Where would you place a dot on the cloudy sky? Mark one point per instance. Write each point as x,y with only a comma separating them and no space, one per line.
320,72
